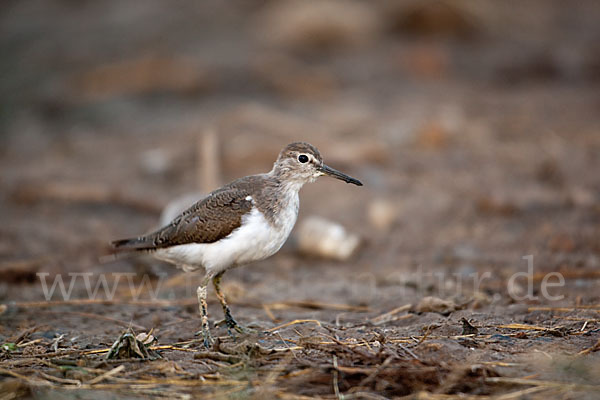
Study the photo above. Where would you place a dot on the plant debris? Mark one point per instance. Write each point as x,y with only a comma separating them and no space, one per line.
129,346
467,328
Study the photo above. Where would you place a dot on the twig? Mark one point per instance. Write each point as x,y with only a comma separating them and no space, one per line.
386,317
336,388
56,342
501,364
269,313
595,307
22,335
521,394
350,347
160,347
294,322
364,395
523,327
60,380
25,344
374,374
24,378
316,306
427,332
106,375
409,351
215,356
168,381
171,347
288,346
589,350
97,351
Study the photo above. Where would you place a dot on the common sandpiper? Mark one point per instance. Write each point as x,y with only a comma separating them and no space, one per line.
244,221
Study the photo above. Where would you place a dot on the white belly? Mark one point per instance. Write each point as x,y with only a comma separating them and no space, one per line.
256,239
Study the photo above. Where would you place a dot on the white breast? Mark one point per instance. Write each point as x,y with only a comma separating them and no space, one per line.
256,239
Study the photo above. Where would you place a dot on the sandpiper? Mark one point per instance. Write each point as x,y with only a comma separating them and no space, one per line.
244,221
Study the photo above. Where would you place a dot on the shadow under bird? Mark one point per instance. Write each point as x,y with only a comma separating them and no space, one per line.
244,221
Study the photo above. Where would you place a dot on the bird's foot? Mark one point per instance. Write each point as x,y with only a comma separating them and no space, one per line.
232,326
207,337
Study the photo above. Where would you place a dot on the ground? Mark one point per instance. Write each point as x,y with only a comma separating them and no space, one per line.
473,126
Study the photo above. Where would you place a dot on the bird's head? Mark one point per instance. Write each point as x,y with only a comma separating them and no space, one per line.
302,163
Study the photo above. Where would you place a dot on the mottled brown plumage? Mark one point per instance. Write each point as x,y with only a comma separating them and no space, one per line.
207,221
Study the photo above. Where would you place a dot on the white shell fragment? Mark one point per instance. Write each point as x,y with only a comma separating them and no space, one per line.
326,239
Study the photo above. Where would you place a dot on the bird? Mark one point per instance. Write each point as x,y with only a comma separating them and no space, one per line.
242,222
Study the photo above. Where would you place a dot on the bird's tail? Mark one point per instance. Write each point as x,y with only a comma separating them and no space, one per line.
133,244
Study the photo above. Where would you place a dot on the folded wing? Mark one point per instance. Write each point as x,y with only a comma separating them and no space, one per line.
207,221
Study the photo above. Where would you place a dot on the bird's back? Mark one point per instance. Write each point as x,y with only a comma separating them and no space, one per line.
214,217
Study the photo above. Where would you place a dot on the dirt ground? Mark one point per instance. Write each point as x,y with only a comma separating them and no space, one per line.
474,126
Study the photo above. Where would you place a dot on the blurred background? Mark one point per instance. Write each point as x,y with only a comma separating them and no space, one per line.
474,126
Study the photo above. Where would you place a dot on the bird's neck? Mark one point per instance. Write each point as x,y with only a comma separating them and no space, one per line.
287,182
291,188
281,200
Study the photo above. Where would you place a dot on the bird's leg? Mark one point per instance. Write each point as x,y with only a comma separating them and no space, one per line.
231,323
205,332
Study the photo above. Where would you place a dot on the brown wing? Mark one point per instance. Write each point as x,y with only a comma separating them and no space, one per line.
207,221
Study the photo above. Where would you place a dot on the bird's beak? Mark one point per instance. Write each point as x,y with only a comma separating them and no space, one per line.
325,170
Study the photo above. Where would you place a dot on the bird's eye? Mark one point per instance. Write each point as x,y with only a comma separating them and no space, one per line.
303,158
